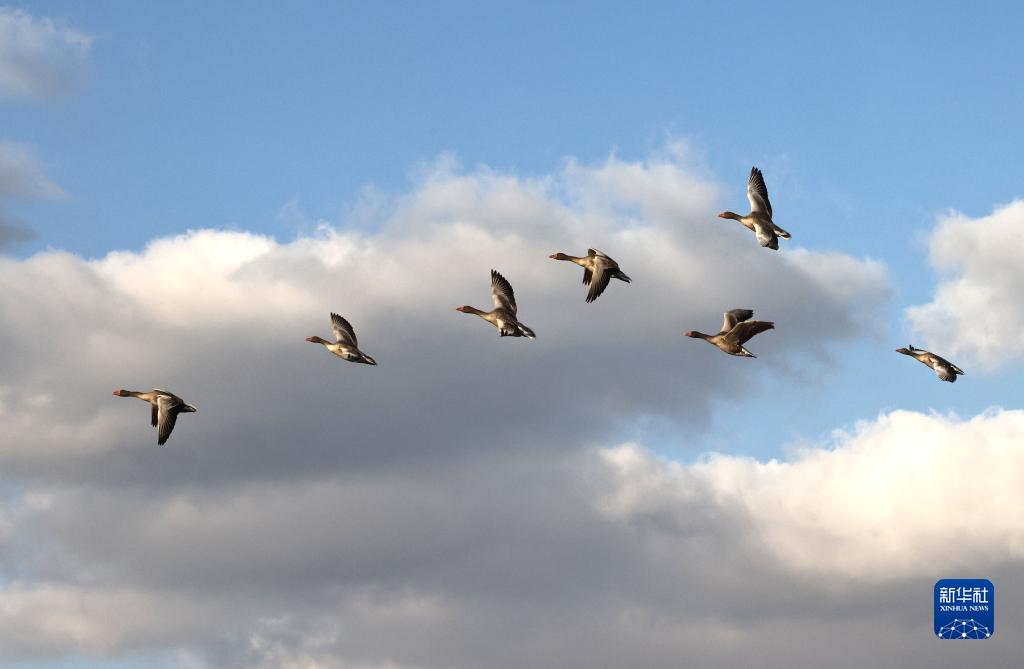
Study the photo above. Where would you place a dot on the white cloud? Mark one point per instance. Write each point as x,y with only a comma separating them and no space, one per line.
216,301
593,555
425,512
876,505
977,312
39,58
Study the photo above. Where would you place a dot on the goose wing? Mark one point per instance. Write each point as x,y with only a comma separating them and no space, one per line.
601,277
504,297
343,331
167,415
167,393
602,256
734,316
942,361
744,332
757,193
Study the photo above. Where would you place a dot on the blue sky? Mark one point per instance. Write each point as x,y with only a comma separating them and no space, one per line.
205,115
869,120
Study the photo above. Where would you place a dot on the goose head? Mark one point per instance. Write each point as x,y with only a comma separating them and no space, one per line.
558,256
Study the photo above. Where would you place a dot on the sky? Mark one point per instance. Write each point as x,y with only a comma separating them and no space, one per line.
187,191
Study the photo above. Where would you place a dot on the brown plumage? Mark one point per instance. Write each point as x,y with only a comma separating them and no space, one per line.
503,316
760,217
165,409
345,344
598,270
736,330
944,369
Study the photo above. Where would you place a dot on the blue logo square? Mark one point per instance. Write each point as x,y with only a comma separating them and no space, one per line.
965,608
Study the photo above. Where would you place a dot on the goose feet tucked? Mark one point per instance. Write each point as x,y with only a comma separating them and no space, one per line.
759,220
736,331
503,316
345,344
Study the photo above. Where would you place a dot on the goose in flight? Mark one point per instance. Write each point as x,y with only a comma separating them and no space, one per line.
944,369
736,331
345,344
598,270
166,407
760,217
503,316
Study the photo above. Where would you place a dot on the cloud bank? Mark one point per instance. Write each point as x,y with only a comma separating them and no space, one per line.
473,501
595,557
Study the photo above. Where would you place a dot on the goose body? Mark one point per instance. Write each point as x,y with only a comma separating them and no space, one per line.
598,270
944,369
737,330
165,409
760,217
345,344
503,316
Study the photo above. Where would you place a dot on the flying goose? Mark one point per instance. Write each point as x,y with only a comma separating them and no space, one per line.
345,344
760,217
503,316
736,331
598,270
166,407
944,369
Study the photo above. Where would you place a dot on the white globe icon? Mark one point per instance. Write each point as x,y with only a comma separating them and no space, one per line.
964,629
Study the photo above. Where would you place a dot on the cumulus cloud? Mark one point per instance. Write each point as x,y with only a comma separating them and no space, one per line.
609,556
455,506
976,312
875,506
218,300
39,57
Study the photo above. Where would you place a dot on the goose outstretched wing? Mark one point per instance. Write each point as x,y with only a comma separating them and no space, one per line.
504,297
343,331
757,193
